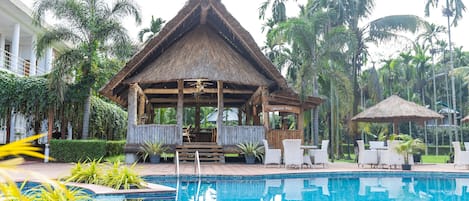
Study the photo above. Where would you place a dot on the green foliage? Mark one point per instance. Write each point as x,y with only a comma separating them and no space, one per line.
28,95
122,177
115,147
77,150
107,121
89,173
113,175
153,148
252,149
409,146
57,192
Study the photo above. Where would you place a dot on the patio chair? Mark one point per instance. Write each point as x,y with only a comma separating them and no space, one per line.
365,157
320,156
187,133
271,156
292,153
466,146
460,157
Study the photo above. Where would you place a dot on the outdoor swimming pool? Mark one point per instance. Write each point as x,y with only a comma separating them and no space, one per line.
350,186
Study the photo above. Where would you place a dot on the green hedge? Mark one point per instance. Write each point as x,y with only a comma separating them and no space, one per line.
115,147
77,150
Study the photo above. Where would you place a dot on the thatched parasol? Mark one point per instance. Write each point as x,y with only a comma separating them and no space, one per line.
395,109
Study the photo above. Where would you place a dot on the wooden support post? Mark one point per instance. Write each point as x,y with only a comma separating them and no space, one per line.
141,108
197,118
240,117
248,115
255,115
180,109
132,109
265,114
220,108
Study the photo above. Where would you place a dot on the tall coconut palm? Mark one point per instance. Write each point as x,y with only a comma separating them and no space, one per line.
155,27
452,9
93,29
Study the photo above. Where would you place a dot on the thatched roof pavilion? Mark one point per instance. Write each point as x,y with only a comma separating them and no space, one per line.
203,57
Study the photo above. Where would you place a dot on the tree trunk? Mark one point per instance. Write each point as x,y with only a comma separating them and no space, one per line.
315,128
86,115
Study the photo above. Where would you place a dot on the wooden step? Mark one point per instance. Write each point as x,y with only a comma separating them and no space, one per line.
208,152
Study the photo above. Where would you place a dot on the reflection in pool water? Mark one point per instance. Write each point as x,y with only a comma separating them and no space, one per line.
319,186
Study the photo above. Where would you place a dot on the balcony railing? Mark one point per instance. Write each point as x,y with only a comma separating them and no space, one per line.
23,66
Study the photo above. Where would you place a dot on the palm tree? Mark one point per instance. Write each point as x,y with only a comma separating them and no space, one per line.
87,26
155,27
376,31
453,9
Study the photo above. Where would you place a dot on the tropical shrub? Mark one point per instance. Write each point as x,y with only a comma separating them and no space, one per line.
77,150
113,175
252,149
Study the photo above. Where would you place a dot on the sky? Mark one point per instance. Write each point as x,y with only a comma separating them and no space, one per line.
246,12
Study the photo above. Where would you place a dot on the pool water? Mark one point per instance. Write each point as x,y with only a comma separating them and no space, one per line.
350,186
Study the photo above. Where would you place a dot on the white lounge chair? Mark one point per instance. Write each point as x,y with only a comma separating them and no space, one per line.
271,156
460,157
366,157
320,156
292,153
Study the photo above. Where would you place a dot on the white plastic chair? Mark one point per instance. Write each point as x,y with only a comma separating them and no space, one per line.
365,157
320,156
460,157
466,146
292,153
271,156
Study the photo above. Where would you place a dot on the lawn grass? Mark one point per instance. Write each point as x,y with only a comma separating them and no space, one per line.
435,159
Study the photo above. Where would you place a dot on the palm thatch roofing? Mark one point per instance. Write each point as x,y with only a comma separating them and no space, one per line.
203,41
395,109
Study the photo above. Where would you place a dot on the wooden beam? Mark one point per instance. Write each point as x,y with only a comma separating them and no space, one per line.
193,90
174,100
282,108
131,109
255,96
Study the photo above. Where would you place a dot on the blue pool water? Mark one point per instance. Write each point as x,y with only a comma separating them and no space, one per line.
346,186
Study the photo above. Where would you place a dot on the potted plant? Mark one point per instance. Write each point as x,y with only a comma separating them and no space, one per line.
153,150
408,146
251,151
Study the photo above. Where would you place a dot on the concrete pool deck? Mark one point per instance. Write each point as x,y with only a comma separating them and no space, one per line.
58,170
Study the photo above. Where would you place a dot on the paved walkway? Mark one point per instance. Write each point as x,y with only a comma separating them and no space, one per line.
57,170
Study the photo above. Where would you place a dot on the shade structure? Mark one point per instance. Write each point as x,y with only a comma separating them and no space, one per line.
395,109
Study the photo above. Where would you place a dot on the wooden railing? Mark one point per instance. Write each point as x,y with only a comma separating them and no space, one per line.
232,135
275,137
167,134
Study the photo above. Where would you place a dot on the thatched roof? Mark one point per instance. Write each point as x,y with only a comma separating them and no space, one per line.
202,49
396,109
229,33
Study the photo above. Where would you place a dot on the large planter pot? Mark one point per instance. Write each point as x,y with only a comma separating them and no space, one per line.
250,159
406,166
417,158
155,158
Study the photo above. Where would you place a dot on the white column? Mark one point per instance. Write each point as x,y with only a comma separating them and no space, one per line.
48,60
2,50
32,60
15,48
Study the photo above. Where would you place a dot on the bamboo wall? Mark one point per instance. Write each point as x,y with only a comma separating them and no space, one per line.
167,134
275,137
232,135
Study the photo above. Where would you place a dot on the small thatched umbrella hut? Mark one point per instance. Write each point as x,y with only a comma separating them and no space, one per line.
203,57
395,109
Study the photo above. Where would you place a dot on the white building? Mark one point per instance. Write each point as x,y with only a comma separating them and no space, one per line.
17,55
